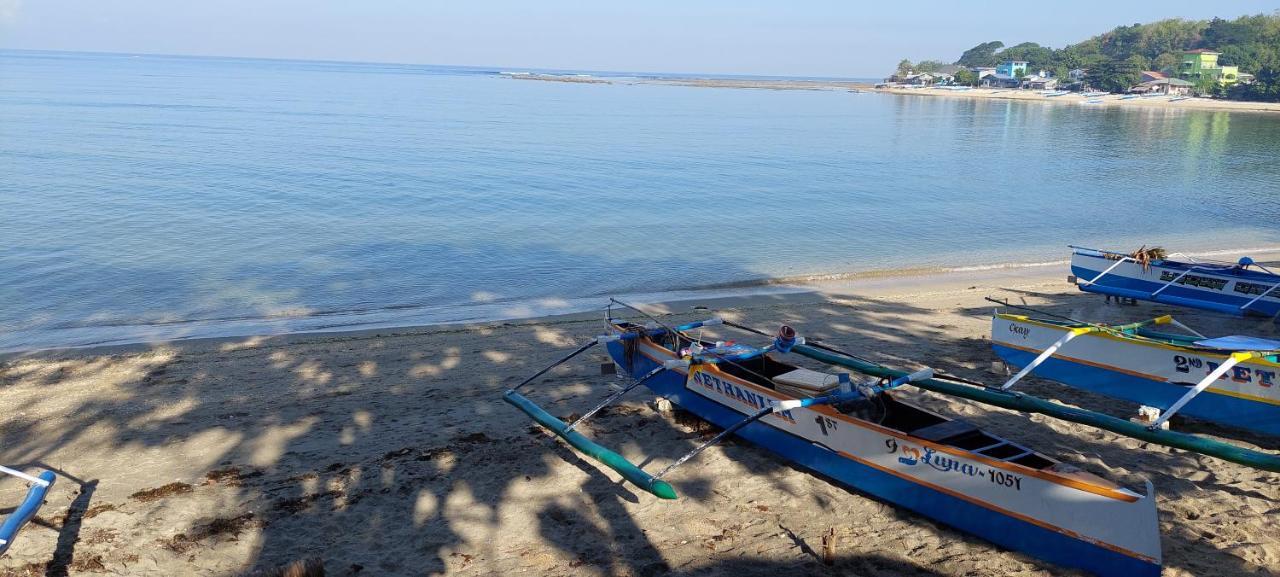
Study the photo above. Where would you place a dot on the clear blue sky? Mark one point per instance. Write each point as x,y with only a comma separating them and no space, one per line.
796,38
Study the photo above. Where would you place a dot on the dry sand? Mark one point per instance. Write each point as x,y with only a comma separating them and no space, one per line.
390,453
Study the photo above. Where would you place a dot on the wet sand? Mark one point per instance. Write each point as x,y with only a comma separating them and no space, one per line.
390,452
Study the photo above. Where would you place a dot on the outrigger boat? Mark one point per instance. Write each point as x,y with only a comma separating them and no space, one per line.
864,437
1231,380
1240,288
39,486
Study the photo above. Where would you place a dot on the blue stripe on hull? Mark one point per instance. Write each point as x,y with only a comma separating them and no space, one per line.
995,527
1120,286
1230,411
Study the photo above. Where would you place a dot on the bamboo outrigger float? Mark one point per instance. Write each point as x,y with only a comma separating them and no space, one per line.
862,436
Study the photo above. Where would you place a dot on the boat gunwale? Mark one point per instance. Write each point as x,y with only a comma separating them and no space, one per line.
1233,271
1111,490
1141,340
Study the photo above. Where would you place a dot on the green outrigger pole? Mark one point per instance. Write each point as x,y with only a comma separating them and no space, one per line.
1025,403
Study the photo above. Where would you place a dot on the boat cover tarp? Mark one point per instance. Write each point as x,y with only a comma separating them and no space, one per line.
1240,343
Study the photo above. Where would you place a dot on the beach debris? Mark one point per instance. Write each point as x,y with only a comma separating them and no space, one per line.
300,568
161,492
829,547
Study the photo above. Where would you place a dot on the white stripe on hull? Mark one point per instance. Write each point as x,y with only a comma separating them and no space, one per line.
1213,285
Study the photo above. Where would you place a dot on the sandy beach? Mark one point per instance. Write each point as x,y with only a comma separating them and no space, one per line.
1155,102
1161,102
390,453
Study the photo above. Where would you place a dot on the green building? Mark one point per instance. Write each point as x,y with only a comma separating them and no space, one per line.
1201,63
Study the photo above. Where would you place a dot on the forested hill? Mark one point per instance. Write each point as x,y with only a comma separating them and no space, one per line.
1114,59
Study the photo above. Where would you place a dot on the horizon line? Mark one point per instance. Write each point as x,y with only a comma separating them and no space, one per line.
690,75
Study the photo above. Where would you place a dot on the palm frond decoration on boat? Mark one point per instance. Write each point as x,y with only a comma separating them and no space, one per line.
1145,256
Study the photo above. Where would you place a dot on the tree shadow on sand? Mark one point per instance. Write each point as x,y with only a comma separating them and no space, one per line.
386,453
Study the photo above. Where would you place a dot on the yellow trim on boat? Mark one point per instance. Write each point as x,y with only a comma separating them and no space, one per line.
1155,378
1137,340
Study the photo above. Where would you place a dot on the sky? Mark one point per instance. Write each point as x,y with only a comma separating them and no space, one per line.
780,38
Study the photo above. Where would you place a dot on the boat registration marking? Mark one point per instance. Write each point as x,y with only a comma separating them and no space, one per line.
913,456
1208,282
1238,373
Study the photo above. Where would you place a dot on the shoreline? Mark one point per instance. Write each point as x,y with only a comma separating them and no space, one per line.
881,281
1110,100
248,454
1107,101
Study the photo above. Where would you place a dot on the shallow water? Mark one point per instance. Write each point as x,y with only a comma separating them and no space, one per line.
154,197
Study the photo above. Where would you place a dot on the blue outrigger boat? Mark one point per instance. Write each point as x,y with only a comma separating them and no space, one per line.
1241,288
1232,380
862,436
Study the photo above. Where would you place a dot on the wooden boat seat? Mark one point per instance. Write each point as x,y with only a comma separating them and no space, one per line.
945,430
803,382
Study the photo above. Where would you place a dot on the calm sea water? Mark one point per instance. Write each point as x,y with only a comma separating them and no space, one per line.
148,197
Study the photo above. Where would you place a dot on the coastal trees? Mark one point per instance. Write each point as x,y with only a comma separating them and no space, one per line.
1166,62
905,67
929,65
1264,88
1035,55
966,77
981,55
1114,75
1114,59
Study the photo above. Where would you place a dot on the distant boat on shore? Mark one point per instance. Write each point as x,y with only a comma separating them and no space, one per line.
1237,288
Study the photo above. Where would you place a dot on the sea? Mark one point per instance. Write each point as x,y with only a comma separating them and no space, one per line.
162,197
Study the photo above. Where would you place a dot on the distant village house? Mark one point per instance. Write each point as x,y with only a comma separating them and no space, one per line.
1008,74
1201,63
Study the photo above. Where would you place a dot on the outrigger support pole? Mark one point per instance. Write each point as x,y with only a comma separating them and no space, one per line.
1233,360
1048,352
627,469
952,386
1026,403
23,514
1078,331
615,396
591,343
